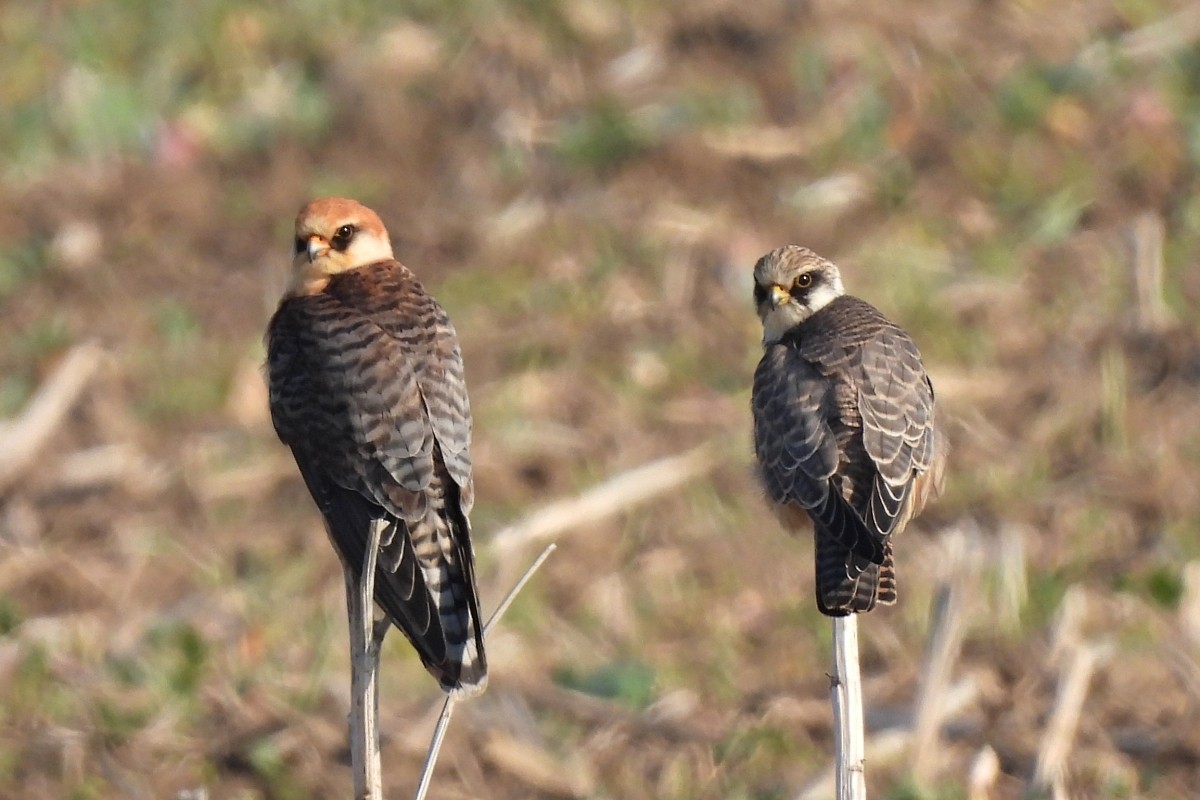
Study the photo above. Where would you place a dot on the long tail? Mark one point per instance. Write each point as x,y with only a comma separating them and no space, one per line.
441,545
426,587
848,583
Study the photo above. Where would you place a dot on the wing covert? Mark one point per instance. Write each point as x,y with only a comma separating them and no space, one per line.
797,448
895,402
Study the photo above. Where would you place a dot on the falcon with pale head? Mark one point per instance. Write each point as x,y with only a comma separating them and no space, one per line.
845,426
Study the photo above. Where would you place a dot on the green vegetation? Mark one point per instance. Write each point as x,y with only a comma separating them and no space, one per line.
630,682
602,138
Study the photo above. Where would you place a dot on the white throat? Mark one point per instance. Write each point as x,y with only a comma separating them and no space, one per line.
782,319
372,249
824,294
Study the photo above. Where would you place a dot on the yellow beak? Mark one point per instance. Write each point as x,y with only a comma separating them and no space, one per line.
779,296
317,247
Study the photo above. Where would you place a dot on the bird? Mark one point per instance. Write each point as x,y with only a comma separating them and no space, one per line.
846,430
367,389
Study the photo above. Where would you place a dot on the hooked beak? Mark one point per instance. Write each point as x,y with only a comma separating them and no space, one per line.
317,247
779,296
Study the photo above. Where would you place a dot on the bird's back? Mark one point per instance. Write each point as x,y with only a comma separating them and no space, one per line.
876,403
840,340
367,389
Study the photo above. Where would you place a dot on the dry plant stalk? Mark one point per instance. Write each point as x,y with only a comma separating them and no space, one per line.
615,494
1189,602
945,643
1158,39
1146,44
1151,312
889,745
1068,622
23,438
985,769
845,691
1064,719
936,699
366,638
1075,660
1011,572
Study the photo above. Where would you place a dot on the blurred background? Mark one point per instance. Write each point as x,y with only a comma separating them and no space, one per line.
585,186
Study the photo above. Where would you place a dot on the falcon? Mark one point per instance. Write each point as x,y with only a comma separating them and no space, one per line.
367,389
845,430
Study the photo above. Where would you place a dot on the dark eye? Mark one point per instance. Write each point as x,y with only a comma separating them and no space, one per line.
801,286
300,246
760,294
341,239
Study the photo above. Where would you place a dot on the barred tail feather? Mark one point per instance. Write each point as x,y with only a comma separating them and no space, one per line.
430,599
886,594
442,548
452,586
848,583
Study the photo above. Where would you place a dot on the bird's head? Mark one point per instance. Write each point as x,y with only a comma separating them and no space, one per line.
334,234
791,284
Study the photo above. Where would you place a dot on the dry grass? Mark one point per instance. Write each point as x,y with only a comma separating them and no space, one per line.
585,186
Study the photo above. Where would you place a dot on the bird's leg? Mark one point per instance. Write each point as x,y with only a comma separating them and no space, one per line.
366,637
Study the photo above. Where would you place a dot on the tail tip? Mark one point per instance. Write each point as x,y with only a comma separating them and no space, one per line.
466,686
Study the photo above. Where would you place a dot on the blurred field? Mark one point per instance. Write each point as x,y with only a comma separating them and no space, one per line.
585,185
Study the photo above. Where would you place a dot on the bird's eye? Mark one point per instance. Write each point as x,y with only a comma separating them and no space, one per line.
341,239
804,281
299,245
760,294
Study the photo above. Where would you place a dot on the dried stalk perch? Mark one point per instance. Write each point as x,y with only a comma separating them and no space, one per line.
845,690
366,638
890,745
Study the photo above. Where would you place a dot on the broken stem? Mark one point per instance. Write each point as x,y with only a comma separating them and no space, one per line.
365,640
